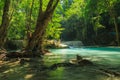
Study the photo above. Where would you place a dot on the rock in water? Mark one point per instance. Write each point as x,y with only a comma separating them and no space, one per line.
85,62
78,57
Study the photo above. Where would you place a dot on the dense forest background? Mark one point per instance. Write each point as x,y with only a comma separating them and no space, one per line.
94,22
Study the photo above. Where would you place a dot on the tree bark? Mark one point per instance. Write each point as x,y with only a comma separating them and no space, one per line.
5,23
36,41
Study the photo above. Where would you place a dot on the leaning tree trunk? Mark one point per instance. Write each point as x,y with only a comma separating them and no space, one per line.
36,41
5,23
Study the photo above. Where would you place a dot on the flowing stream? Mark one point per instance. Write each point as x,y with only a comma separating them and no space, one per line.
104,57
102,54
107,58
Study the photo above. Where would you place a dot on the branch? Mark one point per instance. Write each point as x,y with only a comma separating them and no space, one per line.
41,4
14,5
49,6
31,9
110,72
11,16
30,15
40,13
55,5
5,16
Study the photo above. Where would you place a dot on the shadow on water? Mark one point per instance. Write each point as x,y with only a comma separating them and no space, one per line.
35,69
76,73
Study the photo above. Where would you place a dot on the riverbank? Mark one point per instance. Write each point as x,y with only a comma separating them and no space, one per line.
35,69
106,65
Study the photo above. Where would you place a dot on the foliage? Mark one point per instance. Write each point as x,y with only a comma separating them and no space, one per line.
17,28
54,28
72,20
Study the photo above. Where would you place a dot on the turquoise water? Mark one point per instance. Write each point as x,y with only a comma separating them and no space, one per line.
103,57
87,51
110,55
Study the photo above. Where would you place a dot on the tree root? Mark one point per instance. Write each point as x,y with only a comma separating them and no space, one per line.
24,54
3,53
68,64
110,72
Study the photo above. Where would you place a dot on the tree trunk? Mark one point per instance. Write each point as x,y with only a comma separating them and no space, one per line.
28,20
36,41
117,32
5,23
113,16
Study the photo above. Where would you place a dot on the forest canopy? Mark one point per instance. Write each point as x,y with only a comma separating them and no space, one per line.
94,22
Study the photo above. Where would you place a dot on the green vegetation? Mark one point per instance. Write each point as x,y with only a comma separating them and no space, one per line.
92,22
28,27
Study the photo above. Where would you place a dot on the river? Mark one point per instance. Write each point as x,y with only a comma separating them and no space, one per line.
109,55
104,57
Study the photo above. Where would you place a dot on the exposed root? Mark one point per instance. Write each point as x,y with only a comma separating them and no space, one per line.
110,72
25,54
3,51
68,64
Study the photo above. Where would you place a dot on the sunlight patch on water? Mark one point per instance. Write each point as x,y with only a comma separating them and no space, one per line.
87,51
102,54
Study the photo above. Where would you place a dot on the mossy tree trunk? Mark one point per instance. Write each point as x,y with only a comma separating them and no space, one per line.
5,23
36,41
